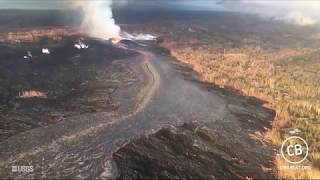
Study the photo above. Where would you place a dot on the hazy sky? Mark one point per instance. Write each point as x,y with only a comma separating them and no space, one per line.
303,12
33,4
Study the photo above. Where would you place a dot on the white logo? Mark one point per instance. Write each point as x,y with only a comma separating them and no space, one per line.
22,169
294,150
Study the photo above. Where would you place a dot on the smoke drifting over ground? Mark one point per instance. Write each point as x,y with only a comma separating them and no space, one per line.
98,20
140,36
297,12
300,12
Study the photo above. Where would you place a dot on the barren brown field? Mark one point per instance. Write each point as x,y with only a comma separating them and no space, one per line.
212,95
270,60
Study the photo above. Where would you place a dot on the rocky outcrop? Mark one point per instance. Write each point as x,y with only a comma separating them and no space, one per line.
194,151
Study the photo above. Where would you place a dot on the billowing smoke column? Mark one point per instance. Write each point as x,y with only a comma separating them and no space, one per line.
98,20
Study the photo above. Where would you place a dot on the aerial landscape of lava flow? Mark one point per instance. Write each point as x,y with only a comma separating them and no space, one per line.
159,89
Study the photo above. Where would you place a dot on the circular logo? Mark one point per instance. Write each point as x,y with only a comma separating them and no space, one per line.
294,150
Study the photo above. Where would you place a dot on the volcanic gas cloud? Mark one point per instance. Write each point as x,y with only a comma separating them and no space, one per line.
98,20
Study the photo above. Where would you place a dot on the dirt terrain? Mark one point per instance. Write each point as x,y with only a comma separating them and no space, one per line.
169,94
265,58
129,110
205,128
39,89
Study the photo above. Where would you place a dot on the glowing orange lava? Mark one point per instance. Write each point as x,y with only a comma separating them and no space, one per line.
115,41
32,94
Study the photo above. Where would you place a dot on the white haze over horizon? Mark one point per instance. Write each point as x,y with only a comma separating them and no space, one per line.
292,11
98,18
300,12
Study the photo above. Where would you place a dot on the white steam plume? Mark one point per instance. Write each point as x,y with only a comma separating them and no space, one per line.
139,36
98,19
